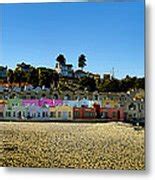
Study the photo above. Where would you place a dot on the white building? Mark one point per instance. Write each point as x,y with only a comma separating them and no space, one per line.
64,69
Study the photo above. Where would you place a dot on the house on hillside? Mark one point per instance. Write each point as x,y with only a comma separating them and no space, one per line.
63,112
64,69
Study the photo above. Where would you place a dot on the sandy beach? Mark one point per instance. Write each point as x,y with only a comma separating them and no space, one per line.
72,145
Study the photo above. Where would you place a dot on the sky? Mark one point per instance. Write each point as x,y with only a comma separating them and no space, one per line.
110,34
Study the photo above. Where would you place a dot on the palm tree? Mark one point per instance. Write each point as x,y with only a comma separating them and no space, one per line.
61,59
82,61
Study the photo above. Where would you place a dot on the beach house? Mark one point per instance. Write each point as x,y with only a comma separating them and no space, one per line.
63,112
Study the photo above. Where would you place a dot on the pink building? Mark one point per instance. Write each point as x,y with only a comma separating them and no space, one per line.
50,102
42,102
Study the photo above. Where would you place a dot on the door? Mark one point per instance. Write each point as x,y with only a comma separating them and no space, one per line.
19,114
118,115
64,115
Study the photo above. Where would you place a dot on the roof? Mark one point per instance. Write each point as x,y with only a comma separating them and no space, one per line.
23,65
80,71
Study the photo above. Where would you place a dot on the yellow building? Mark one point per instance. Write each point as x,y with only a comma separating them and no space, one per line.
61,113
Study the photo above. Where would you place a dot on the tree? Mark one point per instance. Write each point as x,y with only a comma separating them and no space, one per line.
61,59
55,78
47,77
140,83
18,77
103,87
82,61
33,77
10,76
89,83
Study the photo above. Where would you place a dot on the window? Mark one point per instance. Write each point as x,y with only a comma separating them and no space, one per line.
14,114
77,114
1,114
87,114
96,97
19,114
113,114
43,114
8,114
67,97
59,114
69,114
38,114
28,114
132,107
52,114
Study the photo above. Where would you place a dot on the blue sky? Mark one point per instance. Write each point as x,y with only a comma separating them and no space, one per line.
109,34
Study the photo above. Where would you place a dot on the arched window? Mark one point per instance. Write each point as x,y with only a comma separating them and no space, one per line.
67,97
19,114
132,106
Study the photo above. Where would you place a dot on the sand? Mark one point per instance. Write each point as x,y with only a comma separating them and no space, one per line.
72,145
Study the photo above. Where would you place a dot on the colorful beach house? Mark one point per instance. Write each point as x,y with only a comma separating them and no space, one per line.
84,113
63,112
36,112
14,109
14,102
112,113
